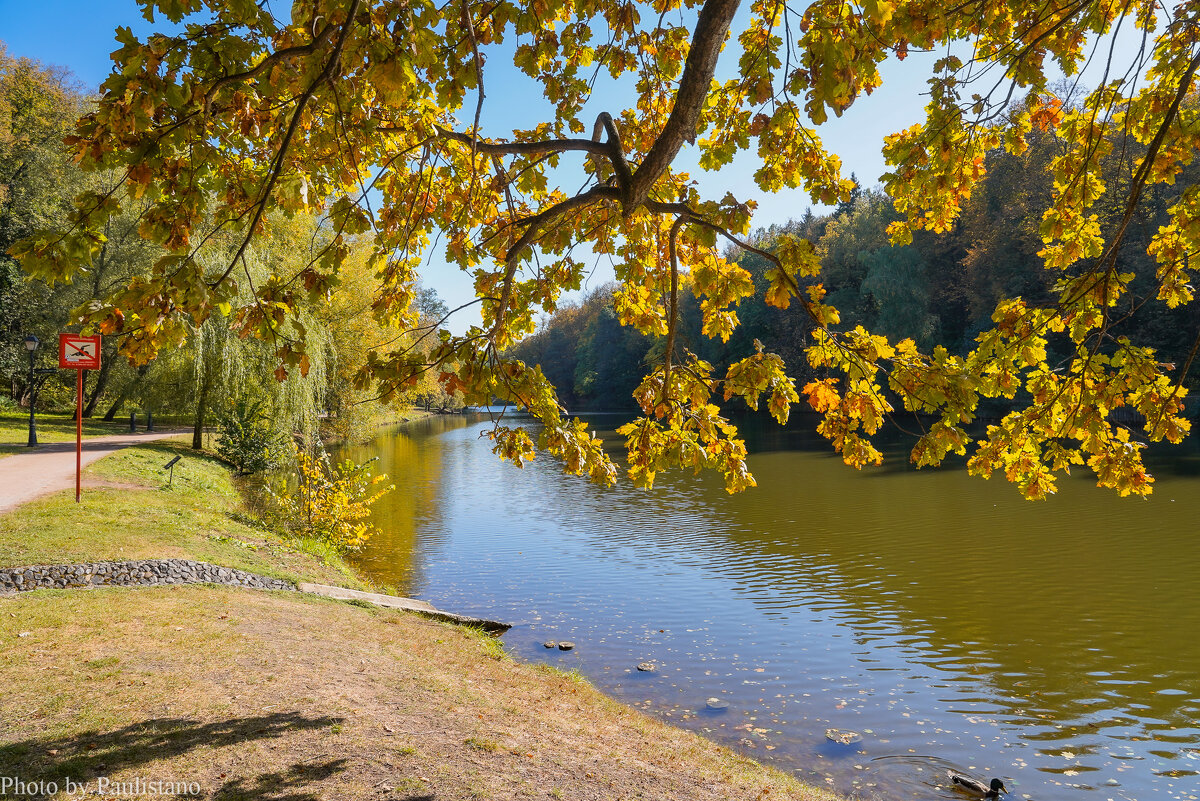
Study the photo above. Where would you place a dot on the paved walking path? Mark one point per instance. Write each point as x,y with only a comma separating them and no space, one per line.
50,468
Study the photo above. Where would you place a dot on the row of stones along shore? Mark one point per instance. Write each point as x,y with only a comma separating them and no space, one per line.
140,572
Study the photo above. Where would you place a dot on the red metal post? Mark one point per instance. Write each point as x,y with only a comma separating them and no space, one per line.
78,431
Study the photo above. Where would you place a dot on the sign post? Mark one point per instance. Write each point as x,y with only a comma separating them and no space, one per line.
78,353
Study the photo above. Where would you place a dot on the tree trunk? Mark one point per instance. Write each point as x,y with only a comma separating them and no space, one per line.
111,414
101,382
201,409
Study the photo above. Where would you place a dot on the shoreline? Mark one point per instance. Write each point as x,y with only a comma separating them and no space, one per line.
370,428
257,692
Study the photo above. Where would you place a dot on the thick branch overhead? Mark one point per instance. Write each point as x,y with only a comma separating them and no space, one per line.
370,119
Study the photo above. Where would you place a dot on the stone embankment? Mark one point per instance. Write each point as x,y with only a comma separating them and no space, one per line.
140,572
159,572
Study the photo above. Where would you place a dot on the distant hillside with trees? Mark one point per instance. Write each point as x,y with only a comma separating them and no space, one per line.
939,290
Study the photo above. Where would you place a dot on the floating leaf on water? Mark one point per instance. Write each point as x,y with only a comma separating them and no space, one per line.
843,736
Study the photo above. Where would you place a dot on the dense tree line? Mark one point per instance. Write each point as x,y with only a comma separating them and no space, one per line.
207,367
941,289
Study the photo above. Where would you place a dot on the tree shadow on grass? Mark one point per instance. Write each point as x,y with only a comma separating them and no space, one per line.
89,756
281,785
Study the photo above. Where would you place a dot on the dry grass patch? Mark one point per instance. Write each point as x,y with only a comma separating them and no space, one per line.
272,695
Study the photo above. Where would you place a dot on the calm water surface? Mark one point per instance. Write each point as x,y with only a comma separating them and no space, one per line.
950,623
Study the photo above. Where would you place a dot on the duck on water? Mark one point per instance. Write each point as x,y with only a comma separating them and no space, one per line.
977,788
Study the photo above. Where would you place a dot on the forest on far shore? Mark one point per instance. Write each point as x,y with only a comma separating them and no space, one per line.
940,290
206,372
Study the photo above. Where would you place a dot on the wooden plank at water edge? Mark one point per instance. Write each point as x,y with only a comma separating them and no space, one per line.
407,604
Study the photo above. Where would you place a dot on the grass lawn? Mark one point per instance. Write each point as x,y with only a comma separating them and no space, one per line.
14,428
52,427
128,512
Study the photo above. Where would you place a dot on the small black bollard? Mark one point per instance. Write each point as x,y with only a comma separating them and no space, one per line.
133,422
149,420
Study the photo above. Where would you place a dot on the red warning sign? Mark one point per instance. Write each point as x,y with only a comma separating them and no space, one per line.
77,352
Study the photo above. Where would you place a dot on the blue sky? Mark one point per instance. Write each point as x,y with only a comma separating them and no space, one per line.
69,33
78,35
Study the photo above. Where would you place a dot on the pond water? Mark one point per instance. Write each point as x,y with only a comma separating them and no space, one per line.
946,621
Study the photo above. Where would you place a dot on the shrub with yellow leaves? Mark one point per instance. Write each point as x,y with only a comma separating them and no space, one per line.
333,499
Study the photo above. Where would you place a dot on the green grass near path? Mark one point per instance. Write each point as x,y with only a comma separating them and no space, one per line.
129,512
14,428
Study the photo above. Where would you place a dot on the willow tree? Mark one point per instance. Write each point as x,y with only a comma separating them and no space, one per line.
371,111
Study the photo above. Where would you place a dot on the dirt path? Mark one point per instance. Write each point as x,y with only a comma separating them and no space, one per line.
49,468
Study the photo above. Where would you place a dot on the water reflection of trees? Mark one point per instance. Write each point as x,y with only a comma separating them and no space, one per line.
411,517
1071,611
